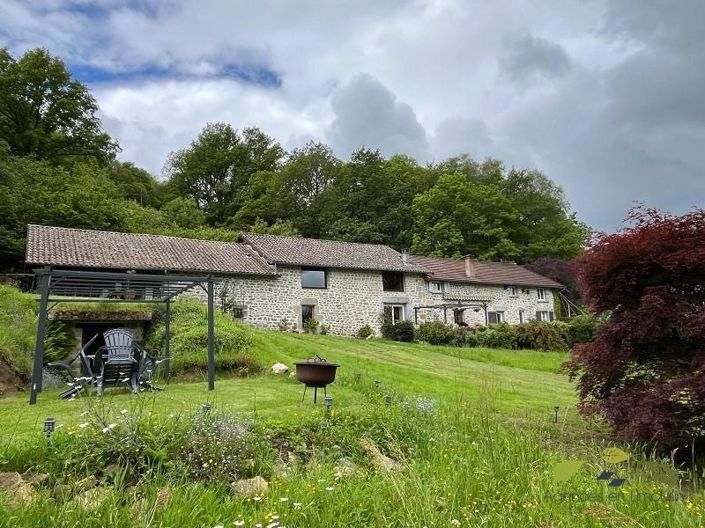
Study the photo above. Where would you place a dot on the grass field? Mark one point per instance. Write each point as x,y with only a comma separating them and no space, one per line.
522,382
484,457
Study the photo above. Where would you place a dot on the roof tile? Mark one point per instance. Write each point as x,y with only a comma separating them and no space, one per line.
84,248
505,273
328,253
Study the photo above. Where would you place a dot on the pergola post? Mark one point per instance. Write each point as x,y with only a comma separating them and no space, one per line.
41,334
211,336
167,340
487,317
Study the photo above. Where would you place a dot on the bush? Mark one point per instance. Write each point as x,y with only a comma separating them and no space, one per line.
189,341
401,331
497,336
539,335
365,332
436,333
579,329
310,326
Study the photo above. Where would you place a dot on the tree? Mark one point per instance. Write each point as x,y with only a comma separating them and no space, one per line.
136,184
645,371
477,218
216,169
46,114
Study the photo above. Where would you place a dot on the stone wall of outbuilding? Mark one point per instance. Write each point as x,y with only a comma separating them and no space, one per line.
354,298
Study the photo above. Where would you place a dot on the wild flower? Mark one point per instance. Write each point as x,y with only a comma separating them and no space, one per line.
239,522
330,488
83,425
256,498
455,522
283,499
297,505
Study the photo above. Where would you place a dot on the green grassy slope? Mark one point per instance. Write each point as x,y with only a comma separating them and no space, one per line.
512,382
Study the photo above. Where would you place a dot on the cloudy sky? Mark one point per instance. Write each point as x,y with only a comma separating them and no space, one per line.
606,97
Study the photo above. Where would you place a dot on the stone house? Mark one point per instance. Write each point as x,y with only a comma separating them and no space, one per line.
274,282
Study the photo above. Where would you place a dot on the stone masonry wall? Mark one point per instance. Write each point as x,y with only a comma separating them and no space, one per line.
355,298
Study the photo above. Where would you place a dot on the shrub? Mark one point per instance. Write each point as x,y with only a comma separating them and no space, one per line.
644,371
401,331
189,341
365,331
579,329
539,335
436,333
310,326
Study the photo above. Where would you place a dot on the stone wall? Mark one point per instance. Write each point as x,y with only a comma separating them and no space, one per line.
355,298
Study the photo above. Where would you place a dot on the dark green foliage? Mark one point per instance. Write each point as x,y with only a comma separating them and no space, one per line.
580,329
436,333
46,114
539,335
364,332
401,331
499,336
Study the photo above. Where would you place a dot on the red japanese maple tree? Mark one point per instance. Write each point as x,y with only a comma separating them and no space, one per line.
645,371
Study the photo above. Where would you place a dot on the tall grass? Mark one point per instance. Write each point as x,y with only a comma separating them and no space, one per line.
460,466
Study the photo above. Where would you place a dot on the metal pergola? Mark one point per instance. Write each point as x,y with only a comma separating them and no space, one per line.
56,286
454,305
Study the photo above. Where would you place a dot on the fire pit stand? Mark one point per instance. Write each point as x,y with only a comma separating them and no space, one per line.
315,373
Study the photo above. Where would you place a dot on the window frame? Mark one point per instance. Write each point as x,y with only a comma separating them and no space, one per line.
513,291
521,317
395,273
541,294
440,287
548,314
498,320
325,278
392,306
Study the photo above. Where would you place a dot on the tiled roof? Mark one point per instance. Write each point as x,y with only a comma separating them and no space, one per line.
83,248
328,253
504,273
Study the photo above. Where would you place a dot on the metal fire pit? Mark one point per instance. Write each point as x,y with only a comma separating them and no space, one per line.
315,373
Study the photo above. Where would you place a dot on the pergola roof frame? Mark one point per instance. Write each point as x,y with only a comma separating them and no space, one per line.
61,285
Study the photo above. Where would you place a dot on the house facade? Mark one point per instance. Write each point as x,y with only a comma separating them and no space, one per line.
274,282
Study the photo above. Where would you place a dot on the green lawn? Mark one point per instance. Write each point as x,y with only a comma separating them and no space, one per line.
485,455
512,382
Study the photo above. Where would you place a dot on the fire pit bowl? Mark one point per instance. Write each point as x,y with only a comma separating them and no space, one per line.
315,373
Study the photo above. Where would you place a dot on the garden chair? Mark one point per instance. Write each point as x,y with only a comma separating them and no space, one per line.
87,377
119,366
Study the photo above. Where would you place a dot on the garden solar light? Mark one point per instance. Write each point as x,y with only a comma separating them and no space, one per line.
205,408
388,399
328,404
555,409
49,426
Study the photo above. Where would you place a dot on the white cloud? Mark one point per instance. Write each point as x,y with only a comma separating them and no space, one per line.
605,96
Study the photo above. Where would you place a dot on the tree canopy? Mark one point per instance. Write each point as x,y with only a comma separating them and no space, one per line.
46,114
58,167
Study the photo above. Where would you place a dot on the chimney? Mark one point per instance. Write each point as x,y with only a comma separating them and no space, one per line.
469,267
405,256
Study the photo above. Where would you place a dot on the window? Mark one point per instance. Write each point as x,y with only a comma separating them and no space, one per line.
392,281
513,291
495,317
435,287
541,294
238,311
307,312
459,317
544,316
393,313
314,278
521,316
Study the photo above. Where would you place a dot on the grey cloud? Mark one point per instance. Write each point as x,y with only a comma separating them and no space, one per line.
529,56
369,114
